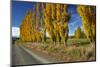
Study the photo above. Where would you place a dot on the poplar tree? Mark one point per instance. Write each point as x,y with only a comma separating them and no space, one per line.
64,26
26,27
88,16
78,33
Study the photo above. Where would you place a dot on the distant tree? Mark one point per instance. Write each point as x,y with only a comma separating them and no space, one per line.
78,33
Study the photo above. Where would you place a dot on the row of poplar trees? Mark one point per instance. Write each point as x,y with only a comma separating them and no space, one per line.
53,19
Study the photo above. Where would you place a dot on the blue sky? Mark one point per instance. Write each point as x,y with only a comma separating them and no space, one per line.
75,20
20,8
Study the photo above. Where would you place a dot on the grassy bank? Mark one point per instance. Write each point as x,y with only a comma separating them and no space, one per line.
65,53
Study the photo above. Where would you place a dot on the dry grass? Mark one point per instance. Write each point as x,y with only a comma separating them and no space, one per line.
67,53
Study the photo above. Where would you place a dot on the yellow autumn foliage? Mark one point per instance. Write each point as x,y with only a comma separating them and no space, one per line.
88,16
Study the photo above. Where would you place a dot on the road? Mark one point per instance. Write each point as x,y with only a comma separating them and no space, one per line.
23,56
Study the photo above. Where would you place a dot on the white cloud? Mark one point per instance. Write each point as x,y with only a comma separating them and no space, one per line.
15,32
